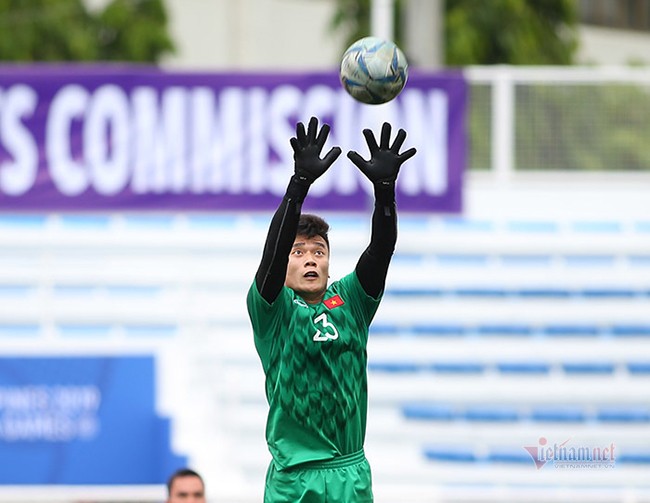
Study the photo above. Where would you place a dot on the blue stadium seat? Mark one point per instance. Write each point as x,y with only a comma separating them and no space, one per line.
511,413
552,293
394,367
558,414
634,330
642,226
619,293
546,227
23,221
504,329
450,453
638,367
446,412
20,330
16,290
597,227
638,260
458,367
495,413
527,293
439,329
429,412
513,367
624,414
513,329
633,457
480,292
591,260
524,368
588,367
513,455
84,329
416,292
466,454
571,330
385,329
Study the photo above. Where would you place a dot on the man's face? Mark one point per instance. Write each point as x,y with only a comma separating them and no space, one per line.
308,269
187,489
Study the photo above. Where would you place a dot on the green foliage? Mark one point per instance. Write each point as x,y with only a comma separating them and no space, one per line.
486,32
123,38
352,17
516,32
65,30
583,127
479,126
45,30
571,127
557,127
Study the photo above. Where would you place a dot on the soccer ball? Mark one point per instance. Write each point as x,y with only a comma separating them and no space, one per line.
373,71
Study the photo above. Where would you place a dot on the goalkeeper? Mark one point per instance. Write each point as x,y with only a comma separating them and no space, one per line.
311,338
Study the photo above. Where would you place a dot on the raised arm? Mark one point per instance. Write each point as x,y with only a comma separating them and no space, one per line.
382,170
308,166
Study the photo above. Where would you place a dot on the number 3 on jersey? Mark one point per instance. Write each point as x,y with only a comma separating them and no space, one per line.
329,331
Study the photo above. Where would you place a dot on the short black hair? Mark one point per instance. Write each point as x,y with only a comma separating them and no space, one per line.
311,226
182,472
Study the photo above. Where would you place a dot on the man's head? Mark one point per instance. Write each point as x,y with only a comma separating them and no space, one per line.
308,268
311,226
185,486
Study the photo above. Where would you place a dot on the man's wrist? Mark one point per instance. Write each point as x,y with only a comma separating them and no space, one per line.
298,187
302,179
385,193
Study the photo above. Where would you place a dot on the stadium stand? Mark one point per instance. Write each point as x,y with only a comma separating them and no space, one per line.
496,336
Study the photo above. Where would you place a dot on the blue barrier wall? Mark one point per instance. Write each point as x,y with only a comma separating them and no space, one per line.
82,420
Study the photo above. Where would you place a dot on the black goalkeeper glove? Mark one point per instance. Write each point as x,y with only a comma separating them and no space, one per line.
385,160
307,147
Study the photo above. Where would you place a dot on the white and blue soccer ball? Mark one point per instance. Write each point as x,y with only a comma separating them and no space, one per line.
373,70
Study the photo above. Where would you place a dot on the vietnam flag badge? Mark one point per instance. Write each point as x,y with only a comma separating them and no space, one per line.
333,302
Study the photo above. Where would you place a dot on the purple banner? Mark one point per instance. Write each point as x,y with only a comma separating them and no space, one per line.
76,138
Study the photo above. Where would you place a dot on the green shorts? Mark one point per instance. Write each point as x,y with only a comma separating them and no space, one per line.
345,479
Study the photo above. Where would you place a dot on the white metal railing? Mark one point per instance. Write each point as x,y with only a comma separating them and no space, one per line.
504,79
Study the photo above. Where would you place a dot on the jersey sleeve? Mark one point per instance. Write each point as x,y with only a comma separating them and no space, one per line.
266,318
364,305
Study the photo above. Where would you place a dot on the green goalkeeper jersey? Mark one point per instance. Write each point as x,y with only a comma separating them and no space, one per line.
314,359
